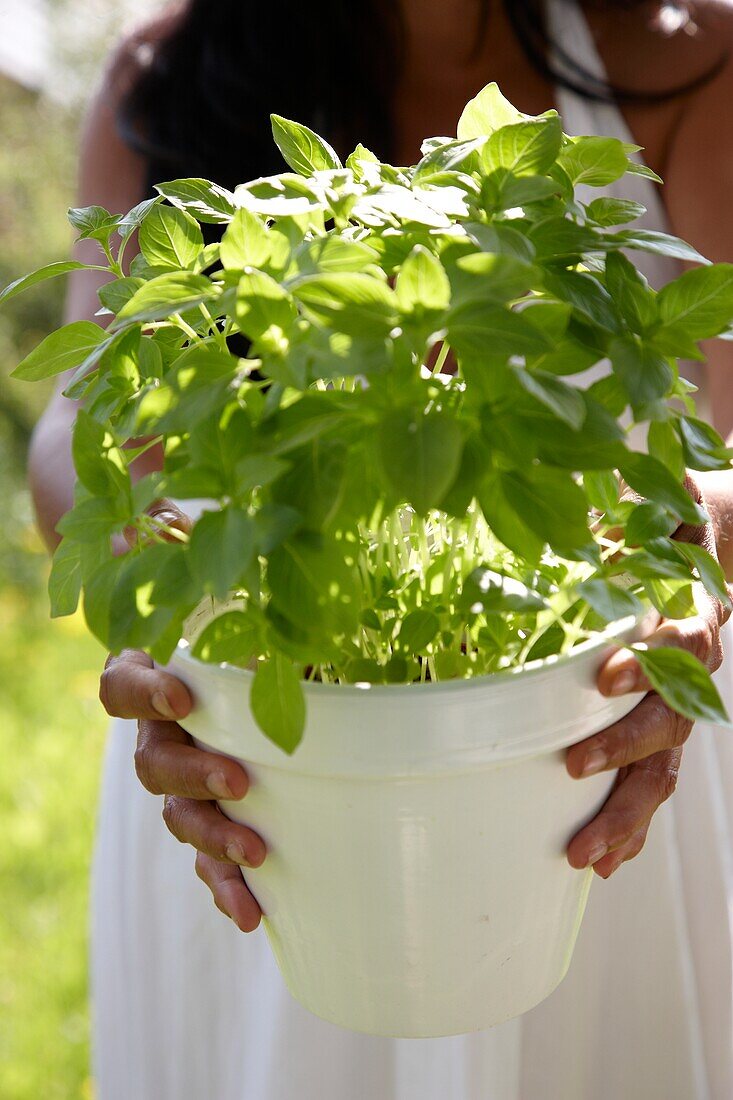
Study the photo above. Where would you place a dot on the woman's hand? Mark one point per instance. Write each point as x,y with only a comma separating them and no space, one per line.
168,763
646,745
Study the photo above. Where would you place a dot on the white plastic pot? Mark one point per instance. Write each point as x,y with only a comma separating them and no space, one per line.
416,882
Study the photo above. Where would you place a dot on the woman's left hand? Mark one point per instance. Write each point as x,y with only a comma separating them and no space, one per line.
646,745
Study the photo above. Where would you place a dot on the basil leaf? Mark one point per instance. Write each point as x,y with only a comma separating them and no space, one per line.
51,271
683,682
64,582
700,302
221,549
170,238
487,112
278,703
63,350
302,149
420,456
173,292
231,637
208,202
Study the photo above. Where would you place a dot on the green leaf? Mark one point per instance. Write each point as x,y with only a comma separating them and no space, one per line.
221,550
302,149
648,521
64,582
92,520
170,238
645,375
246,242
208,202
278,703
609,600
594,161
231,637
663,444
602,489
683,682
313,585
264,308
495,496
422,283
487,112
559,238
99,464
586,295
167,294
700,302
63,350
561,399
525,148
417,631
114,296
94,222
135,218
349,302
136,618
654,481
607,211
551,504
702,447
483,276
631,292
660,244
482,330
51,271
420,456
708,568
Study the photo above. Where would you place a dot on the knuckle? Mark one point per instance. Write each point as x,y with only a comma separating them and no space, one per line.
144,768
173,816
701,642
680,728
667,782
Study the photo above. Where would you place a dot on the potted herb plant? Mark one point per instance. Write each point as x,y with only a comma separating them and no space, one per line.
416,549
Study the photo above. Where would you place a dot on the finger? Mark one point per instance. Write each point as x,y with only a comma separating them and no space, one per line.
639,792
231,895
165,514
167,763
605,867
132,688
621,674
204,826
650,728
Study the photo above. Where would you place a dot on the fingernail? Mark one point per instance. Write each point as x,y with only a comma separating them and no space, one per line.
624,682
217,784
236,855
595,761
163,707
597,853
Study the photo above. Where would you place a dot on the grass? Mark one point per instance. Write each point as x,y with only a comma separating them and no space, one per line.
51,736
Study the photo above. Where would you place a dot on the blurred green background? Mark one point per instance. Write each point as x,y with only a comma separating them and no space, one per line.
51,724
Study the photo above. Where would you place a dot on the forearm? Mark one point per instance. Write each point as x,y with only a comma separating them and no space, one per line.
51,468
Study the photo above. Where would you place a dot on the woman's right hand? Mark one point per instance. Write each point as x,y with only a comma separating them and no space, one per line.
168,764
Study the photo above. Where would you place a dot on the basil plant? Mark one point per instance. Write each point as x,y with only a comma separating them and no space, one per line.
376,379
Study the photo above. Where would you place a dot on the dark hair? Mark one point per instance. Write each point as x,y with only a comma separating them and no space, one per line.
201,103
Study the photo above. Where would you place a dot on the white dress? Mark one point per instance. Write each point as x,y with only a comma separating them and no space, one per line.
187,1008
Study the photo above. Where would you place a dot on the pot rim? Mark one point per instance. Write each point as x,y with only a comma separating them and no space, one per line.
599,641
